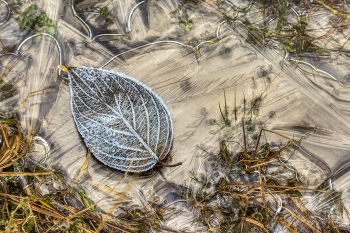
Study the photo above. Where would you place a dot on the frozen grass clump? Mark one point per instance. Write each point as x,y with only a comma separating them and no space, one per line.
249,184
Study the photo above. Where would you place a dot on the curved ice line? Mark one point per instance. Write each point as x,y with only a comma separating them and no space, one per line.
130,14
218,30
149,44
111,34
81,20
313,67
91,37
42,34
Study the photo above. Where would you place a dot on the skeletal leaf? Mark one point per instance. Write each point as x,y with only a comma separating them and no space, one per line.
123,122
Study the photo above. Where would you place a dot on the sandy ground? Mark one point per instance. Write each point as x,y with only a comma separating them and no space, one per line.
190,86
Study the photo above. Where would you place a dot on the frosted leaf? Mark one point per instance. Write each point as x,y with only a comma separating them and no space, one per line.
123,122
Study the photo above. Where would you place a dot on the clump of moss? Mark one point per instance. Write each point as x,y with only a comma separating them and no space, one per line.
30,18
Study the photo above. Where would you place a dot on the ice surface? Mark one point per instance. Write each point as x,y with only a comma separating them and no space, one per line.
190,86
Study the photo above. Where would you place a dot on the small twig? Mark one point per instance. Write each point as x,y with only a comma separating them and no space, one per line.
260,225
262,187
171,165
300,219
334,11
244,137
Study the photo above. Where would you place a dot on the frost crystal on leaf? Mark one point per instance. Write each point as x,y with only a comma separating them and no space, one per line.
123,122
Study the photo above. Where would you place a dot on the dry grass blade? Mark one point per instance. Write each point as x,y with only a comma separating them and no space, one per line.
262,191
12,141
334,11
35,207
302,220
84,167
8,174
32,93
260,225
110,190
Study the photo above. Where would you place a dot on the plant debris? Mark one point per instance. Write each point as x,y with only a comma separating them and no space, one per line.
252,187
68,209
